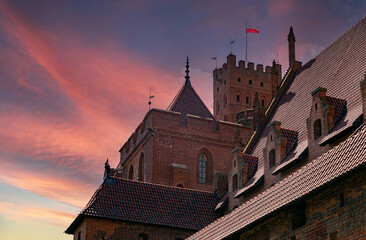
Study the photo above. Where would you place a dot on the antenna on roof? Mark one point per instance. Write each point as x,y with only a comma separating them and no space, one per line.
150,97
277,57
231,44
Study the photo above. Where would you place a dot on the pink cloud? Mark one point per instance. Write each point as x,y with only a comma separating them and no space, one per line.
28,214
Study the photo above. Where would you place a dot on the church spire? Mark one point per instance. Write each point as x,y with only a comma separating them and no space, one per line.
188,82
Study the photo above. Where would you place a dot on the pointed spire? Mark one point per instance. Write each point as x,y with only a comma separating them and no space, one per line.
188,82
274,67
291,47
256,102
107,168
291,35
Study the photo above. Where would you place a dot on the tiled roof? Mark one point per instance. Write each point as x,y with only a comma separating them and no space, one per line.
291,137
339,68
133,201
347,156
187,101
252,164
339,107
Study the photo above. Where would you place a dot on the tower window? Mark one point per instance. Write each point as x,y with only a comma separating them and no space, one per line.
262,103
250,82
261,84
238,98
317,129
239,80
272,158
247,100
225,82
202,167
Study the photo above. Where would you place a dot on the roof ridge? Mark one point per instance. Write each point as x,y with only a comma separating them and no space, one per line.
160,185
347,31
242,208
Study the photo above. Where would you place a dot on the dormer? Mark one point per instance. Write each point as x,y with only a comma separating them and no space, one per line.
280,143
325,113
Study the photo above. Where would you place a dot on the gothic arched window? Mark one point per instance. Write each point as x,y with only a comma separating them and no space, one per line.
202,169
272,158
235,182
130,173
317,129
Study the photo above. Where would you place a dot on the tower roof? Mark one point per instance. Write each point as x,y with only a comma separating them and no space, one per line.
187,101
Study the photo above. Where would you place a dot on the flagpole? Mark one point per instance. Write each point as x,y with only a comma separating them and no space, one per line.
246,41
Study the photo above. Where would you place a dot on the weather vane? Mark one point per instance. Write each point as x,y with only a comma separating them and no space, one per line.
150,97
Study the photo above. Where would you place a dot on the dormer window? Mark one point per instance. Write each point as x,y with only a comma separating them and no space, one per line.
272,158
235,182
317,129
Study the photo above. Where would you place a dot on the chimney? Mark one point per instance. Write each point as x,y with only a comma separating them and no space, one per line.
291,47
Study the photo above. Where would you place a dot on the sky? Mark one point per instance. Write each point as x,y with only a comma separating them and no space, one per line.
75,78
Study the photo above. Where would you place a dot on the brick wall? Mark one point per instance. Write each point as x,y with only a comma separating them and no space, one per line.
181,141
232,80
112,230
335,212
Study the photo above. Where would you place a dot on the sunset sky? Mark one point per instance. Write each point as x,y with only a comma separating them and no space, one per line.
75,78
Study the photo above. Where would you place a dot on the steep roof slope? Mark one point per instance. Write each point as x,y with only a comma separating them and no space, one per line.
347,156
187,101
134,201
339,68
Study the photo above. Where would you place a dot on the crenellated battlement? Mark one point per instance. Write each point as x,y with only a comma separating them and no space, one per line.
241,66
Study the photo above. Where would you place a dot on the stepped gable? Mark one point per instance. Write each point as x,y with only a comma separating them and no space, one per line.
335,164
187,101
339,68
134,201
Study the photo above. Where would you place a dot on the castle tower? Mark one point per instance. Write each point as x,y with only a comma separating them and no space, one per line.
291,47
235,87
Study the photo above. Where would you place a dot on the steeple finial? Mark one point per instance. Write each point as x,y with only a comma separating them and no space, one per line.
188,82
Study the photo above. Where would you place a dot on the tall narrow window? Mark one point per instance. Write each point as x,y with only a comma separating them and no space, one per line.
141,167
130,173
262,102
247,100
239,80
317,129
238,98
272,158
79,235
202,167
235,182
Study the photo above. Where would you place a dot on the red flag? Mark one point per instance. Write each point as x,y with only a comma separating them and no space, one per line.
251,29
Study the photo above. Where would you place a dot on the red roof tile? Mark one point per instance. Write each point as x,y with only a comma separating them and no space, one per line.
339,68
187,101
347,156
134,201
252,164
291,137
340,107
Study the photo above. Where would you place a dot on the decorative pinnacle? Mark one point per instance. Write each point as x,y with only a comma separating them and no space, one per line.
188,82
291,35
